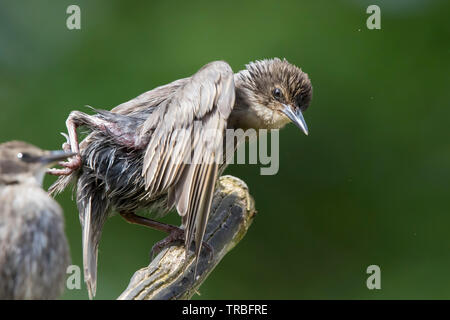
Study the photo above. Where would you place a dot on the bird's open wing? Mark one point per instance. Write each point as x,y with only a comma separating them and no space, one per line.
152,98
186,135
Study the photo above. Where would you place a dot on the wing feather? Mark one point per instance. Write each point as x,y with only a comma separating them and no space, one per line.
189,126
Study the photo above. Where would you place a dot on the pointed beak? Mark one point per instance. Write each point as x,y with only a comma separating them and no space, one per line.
55,156
296,117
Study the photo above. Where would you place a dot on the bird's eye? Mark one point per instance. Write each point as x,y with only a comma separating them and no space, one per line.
25,157
277,93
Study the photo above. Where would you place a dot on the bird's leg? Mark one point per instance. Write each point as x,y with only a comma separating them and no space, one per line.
66,171
135,219
72,123
176,234
75,120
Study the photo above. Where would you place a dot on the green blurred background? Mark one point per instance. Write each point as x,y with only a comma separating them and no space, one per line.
370,185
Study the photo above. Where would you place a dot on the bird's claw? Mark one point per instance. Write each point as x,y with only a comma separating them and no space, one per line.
73,164
59,172
69,166
66,145
177,235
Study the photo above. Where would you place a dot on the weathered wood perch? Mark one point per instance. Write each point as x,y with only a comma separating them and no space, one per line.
169,275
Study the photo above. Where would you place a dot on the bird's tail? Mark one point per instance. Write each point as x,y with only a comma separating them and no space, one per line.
91,223
90,252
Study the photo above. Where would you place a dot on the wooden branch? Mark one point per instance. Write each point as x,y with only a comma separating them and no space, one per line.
170,275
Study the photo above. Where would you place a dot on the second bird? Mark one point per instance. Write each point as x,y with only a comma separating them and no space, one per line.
134,157
34,252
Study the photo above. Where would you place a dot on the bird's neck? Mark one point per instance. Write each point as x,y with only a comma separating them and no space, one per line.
242,116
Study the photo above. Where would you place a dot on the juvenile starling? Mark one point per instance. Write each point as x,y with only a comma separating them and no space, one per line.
134,157
34,253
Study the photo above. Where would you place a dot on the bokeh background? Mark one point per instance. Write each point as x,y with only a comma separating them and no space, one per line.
370,185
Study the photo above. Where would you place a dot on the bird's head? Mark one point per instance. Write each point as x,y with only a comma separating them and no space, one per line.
21,162
275,93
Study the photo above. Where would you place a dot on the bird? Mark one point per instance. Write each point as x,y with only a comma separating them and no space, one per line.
134,156
34,252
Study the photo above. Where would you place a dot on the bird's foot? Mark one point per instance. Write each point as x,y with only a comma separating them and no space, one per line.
69,166
73,164
176,235
59,172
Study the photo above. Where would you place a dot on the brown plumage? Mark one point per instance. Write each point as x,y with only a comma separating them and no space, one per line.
34,253
136,155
